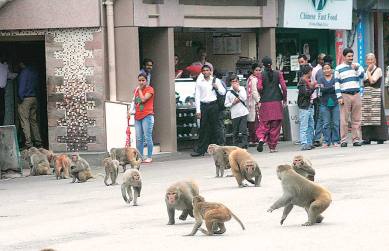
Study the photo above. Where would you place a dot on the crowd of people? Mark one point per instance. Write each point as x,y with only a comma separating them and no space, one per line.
329,101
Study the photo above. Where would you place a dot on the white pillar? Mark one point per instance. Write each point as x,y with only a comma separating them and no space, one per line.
111,50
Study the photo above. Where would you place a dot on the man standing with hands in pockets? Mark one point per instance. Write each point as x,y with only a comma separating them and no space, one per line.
207,110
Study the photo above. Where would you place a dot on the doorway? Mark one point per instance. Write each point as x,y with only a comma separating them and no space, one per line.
34,53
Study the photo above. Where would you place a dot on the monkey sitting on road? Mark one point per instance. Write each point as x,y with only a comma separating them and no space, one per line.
127,155
111,170
179,196
39,162
131,179
61,166
214,215
303,167
80,169
220,156
301,192
49,154
244,167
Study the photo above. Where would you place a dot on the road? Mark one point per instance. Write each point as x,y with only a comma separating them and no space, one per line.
41,212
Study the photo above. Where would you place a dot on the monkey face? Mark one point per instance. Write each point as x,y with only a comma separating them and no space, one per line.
211,149
198,198
136,177
250,167
172,197
74,158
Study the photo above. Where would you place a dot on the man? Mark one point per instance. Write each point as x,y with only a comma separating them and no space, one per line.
28,82
318,121
302,60
202,55
207,110
4,76
347,86
147,67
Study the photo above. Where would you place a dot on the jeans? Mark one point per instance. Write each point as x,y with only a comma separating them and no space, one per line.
239,126
318,124
306,126
331,121
144,130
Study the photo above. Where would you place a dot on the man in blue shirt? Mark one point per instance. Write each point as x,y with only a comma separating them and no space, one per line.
28,82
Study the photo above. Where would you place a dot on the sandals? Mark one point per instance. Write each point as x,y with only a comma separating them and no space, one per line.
148,160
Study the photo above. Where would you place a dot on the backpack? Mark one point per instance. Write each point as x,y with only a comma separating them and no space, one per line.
219,98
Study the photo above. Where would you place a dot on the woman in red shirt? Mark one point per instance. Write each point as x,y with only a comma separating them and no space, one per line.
144,116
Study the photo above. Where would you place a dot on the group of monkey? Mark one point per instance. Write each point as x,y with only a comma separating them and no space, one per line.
297,182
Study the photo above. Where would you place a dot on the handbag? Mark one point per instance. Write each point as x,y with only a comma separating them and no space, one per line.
220,99
132,105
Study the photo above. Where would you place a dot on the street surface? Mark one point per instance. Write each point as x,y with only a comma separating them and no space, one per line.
42,212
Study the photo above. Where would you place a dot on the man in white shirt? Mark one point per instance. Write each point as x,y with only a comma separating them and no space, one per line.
207,110
4,76
236,98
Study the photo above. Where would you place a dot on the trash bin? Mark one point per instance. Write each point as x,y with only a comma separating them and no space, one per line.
291,123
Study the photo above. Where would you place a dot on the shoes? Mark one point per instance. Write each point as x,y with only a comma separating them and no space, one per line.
324,146
196,154
244,147
273,150
357,144
336,144
317,144
366,142
379,142
260,146
306,147
148,160
252,144
344,144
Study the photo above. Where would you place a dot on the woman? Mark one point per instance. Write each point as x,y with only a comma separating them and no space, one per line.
144,116
374,126
329,108
252,103
271,110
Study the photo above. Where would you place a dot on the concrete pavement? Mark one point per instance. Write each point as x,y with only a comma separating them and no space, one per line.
40,212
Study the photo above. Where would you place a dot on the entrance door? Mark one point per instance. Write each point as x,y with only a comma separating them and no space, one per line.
34,53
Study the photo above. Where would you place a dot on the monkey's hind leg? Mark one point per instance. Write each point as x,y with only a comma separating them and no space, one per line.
218,228
314,211
184,214
136,195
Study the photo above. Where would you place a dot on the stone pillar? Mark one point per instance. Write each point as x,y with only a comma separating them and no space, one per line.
158,44
127,61
267,43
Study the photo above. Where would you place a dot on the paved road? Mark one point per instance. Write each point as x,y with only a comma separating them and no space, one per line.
41,212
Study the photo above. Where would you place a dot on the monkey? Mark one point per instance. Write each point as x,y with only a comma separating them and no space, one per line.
179,196
301,192
244,167
220,156
80,169
214,215
39,163
131,179
134,157
303,167
127,155
49,154
111,170
61,166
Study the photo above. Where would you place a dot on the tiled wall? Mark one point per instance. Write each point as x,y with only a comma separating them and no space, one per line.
75,88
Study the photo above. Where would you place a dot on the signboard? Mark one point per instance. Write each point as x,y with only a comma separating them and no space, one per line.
361,41
294,63
339,46
318,14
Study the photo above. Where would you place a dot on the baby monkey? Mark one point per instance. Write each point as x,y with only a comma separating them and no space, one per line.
303,167
214,215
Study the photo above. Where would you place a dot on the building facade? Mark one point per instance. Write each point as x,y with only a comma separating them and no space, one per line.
71,43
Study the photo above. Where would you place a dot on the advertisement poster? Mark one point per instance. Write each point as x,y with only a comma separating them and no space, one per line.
318,14
339,46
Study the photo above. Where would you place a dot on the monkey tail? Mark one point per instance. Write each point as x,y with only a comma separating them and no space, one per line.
238,220
124,193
